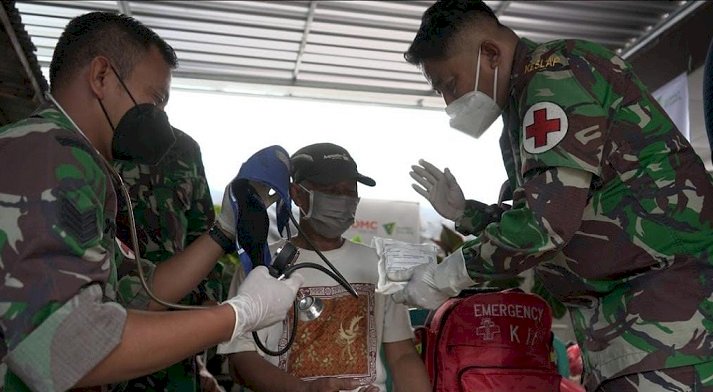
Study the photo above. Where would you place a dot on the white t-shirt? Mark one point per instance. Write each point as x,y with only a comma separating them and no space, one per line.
345,341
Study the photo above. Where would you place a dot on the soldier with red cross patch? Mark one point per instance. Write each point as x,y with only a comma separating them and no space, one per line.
611,205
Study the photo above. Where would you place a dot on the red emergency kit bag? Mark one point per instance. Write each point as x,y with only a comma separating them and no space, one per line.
492,342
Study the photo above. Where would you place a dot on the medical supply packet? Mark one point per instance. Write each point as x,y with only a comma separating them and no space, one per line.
397,259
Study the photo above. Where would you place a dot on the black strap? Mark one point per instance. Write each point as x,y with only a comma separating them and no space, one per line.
221,239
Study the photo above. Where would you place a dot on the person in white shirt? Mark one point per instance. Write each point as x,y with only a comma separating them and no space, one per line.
354,340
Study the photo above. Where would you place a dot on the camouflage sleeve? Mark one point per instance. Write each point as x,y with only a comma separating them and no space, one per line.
477,215
546,213
55,249
199,218
63,348
564,111
564,116
200,215
129,290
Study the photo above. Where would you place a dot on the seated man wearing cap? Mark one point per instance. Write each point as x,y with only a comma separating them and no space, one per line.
346,346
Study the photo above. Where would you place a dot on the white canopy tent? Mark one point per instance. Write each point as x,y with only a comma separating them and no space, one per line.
338,50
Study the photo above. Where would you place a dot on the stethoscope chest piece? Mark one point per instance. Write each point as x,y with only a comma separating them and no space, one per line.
309,308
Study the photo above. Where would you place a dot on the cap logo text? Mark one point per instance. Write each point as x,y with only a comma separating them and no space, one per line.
343,157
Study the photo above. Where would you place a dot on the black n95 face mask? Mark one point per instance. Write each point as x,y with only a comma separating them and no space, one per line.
143,135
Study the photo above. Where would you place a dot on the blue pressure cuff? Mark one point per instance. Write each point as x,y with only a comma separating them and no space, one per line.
270,167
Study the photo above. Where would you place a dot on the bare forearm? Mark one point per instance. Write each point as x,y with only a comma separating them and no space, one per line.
407,368
251,370
155,340
410,375
181,273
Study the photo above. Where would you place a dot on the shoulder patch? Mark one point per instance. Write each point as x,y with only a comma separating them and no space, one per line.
80,224
551,62
543,127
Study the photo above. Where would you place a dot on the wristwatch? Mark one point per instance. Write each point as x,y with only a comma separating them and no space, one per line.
221,239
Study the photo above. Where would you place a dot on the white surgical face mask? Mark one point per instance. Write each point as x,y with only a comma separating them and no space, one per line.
475,111
330,215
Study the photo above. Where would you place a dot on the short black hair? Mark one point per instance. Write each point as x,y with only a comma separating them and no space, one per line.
120,38
440,23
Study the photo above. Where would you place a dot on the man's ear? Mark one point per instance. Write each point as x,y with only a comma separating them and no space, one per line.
298,196
490,54
99,71
293,190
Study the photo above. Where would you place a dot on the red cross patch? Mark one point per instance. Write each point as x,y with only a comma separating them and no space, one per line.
543,127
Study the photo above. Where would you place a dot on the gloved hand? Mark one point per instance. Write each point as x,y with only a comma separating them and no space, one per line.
262,300
226,219
440,188
430,285
421,290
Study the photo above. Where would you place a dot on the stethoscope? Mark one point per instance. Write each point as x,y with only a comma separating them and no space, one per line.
119,182
305,308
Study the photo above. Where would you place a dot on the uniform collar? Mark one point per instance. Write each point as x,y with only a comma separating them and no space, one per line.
523,53
53,111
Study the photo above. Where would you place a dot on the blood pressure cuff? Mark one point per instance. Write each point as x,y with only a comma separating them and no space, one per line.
271,167
252,225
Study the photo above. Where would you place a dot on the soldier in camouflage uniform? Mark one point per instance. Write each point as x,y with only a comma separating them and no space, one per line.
172,207
611,205
64,320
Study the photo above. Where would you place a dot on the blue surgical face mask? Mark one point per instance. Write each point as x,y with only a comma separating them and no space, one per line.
330,215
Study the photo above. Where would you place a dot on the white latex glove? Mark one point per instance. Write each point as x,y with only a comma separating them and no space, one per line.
226,219
421,290
440,188
430,285
262,300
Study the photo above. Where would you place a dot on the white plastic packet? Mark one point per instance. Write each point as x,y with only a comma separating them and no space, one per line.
396,259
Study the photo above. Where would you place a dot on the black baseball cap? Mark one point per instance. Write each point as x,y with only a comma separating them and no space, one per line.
326,163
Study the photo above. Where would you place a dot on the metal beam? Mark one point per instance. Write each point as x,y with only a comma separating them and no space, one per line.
303,43
124,7
665,24
503,6
5,19
335,93
682,48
